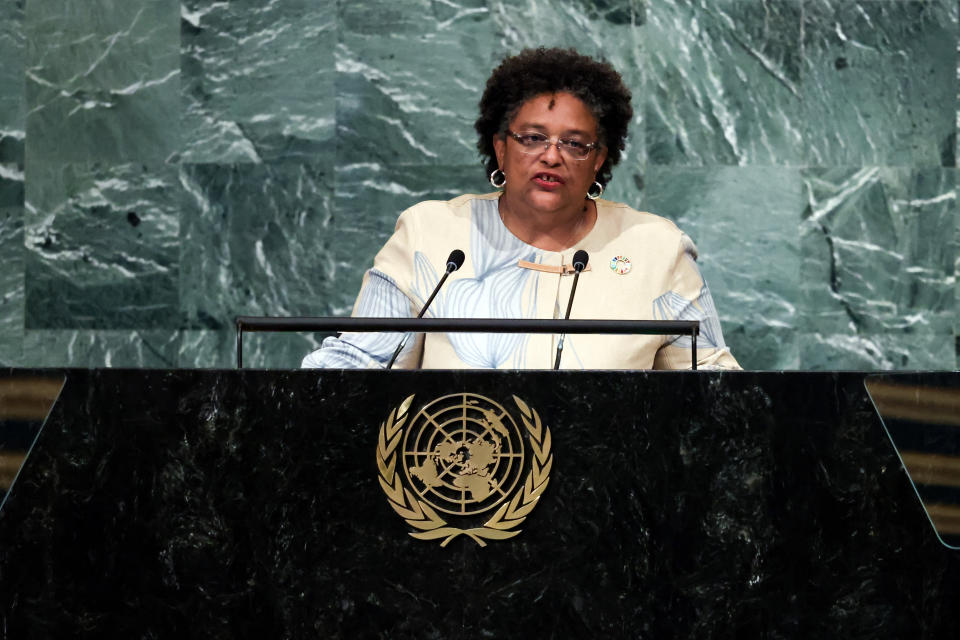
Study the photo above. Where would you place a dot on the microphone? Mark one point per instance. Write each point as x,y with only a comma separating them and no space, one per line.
454,262
580,260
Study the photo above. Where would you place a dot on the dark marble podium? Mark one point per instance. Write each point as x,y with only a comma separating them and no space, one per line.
236,504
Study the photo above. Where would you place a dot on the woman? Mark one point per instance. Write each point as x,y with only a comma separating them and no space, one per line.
552,125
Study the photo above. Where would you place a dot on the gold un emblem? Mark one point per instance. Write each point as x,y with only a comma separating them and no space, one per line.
462,456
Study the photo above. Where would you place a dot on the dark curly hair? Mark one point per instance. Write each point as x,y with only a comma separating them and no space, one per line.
533,72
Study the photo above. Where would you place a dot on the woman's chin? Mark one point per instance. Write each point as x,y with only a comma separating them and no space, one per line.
549,200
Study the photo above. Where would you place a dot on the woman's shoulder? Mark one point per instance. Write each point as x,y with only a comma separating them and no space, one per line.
442,217
445,207
626,219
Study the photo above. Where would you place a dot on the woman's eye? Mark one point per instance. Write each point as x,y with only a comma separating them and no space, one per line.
573,144
530,139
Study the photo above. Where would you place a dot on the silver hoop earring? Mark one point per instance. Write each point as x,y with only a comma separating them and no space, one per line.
494,179
599,187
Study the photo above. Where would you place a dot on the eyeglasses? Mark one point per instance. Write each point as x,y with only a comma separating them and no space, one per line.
534,142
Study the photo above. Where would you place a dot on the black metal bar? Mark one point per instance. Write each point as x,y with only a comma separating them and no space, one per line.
470,325
239,344
466,325
693,349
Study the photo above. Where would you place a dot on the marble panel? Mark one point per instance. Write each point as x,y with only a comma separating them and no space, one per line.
11,185
607,29
880,82
140,349
102,80
258,80
724,82
627,183
763,348
603,29
102,247
409,77
257,239
208,349
743,221
12,112
877,251
11,275
876,351
276,350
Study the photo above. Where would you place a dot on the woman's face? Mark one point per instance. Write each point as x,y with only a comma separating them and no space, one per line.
549,180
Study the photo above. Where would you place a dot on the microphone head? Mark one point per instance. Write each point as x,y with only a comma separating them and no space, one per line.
580,260
455,260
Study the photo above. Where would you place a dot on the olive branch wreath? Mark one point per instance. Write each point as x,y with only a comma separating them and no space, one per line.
422,516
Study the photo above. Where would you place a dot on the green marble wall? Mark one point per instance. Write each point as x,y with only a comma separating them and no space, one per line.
165,165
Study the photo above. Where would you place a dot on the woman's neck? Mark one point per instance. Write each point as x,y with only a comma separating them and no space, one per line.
549,230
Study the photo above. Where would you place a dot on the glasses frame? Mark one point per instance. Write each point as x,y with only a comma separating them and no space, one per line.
559,143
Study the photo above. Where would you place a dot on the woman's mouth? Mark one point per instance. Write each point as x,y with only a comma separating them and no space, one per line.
548,180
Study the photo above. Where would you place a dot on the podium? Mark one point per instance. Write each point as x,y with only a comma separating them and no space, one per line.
250,504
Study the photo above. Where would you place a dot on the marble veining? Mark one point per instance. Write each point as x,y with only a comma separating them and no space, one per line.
102,248
701,54
11,275
408,81
185,162
248,227
12,111
874,257
257,81
148,348
102,80
884,71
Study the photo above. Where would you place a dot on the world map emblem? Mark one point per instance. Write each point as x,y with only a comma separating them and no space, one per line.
464,465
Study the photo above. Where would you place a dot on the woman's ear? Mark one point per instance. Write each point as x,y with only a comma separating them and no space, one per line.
500,149
601,158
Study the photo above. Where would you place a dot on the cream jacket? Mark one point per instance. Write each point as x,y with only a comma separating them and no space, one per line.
641,267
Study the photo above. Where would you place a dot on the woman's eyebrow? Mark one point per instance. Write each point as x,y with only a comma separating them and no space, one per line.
527,126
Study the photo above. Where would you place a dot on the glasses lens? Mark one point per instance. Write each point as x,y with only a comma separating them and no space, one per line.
532,142
574,148
535,142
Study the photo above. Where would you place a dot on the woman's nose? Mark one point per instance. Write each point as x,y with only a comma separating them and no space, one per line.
551,154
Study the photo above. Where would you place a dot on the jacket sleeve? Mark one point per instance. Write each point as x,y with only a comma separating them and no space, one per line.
689,299
381,296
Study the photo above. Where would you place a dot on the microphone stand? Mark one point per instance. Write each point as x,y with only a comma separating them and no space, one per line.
579,264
